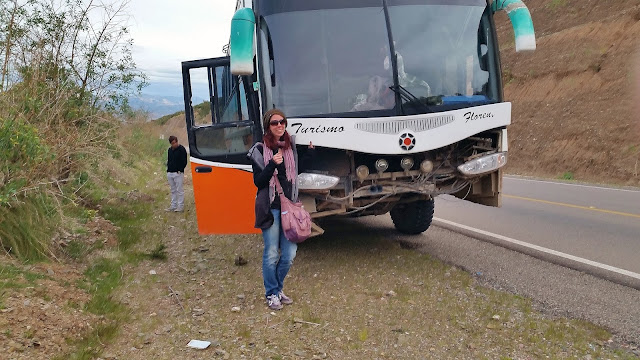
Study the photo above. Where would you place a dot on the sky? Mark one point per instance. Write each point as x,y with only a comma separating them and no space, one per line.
166,33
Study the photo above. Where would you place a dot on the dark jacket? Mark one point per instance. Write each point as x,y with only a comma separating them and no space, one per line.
176,159
262,175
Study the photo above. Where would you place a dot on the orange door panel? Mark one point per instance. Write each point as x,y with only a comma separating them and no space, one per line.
224,199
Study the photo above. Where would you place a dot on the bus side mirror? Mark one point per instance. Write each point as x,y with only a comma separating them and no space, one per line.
242,42
520,20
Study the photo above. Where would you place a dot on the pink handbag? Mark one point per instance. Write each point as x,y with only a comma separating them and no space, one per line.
295,220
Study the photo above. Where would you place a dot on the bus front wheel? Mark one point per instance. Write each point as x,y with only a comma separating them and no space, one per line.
414,217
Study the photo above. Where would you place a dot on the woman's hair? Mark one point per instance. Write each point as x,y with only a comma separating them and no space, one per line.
270,139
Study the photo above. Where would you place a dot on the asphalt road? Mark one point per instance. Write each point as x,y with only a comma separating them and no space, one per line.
596,223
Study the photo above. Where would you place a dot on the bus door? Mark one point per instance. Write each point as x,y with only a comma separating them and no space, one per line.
221,130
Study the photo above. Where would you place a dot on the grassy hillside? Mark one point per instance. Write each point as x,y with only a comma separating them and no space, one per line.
174,124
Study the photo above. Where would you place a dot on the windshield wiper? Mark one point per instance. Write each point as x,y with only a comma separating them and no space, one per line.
407,96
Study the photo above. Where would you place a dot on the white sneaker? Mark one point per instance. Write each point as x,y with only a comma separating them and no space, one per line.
273,302
284,299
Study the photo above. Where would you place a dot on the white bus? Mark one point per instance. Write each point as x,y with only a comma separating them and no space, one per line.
401,98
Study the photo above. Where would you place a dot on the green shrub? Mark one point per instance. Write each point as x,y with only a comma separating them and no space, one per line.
163,120
203,109
21,152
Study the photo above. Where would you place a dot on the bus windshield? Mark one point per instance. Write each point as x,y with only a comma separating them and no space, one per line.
331,60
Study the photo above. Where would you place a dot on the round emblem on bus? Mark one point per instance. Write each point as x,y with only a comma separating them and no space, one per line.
407,141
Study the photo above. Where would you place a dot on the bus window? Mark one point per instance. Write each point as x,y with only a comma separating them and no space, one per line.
235,108
200,97
212,141
439,45
230,132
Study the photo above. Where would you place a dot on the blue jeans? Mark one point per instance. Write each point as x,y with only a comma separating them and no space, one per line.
277,257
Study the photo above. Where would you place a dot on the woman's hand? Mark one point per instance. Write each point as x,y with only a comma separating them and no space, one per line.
277,157
311,145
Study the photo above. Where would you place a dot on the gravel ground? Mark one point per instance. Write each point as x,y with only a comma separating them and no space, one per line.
556,290
363,292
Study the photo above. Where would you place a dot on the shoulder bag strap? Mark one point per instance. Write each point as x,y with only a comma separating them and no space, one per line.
278,186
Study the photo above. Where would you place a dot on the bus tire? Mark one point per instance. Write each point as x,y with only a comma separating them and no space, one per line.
413,218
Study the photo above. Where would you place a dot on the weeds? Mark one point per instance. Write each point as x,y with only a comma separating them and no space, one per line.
158,253
363,334
130,216
507,76
57,125
103,277
57,111
140,143
89,347
26,227
13,277
556,4
567,175
76,250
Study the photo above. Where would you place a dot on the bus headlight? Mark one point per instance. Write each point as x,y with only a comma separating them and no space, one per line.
484,164
362,172
426,166
406,163
382,165
307,181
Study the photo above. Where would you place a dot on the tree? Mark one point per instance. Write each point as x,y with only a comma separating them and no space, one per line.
67,70
84,43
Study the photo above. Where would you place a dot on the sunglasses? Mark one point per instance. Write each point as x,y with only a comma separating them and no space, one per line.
278,122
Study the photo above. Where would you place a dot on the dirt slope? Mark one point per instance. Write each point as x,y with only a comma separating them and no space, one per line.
573,98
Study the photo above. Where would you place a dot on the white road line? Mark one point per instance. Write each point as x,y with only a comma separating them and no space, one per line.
567,184
544,250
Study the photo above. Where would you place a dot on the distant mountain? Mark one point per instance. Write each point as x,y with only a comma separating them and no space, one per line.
159,105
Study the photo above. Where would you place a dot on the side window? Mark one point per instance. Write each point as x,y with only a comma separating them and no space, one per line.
230,130
235,108
200,99
212,141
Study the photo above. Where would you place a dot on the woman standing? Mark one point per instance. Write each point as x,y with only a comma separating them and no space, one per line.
276,157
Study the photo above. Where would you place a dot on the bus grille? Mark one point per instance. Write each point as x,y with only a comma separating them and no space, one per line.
396,126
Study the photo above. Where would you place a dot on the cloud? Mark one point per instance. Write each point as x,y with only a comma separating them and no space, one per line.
167,33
